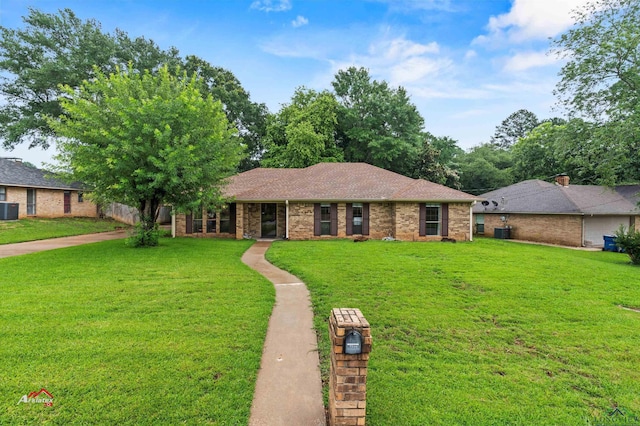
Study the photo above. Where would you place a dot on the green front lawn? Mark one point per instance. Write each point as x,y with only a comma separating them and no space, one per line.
169,335
31,229
484,333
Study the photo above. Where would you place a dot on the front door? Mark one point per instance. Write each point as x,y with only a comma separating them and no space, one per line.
268,220
67,202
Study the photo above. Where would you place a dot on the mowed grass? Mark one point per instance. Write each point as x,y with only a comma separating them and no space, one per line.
31,229
168,335
483,333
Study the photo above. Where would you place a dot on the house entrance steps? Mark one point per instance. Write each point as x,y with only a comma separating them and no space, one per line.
289,388
16,249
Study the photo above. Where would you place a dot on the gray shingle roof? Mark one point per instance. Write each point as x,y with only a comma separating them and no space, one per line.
539,197
337,182
15,173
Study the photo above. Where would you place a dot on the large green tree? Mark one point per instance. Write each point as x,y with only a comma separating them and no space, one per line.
601,82
53,50
57,49
144,140
303,132
377,124
601,79
250,118
535,155
437,161
484,168
514,127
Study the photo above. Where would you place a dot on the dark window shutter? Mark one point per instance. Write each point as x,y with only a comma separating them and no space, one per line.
423,220
316,219
445,220
232,218
189,220
365,219
334,219
349,219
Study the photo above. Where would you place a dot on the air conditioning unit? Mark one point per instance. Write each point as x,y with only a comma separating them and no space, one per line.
9,211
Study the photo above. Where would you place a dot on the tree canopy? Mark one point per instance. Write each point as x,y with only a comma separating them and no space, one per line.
143,139
514,127
61,49
303,132
601,82
54,50
376,124
484,168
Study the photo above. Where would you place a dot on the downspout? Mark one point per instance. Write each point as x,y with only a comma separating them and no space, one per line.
471,220
286,219
173,223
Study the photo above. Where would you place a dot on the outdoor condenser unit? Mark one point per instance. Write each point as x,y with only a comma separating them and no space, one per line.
9,211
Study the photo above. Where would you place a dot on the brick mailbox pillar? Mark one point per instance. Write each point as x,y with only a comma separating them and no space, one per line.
348,374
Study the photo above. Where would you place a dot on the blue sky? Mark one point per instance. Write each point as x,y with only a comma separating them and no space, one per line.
467,64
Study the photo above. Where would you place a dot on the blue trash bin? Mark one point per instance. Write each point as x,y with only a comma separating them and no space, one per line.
610,243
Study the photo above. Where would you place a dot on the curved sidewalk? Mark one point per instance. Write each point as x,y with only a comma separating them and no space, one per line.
289,388
16,249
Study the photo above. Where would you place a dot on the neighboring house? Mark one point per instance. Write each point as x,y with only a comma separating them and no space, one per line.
558,213
334,200
39,195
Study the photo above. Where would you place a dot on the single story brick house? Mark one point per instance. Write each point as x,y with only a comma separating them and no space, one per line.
333,200
558,213
38,195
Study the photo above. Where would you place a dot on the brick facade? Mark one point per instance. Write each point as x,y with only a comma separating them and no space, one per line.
50,203
399,220
564,230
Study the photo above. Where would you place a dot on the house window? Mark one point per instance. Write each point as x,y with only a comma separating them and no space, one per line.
211,221
228,219
80,197
197,221
357,218
3,193
31,201
325,219
67,202
432,219
224,220
479,224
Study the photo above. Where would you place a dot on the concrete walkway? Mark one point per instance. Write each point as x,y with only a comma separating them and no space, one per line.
289,388
7,250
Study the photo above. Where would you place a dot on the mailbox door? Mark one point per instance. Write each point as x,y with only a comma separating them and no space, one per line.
353,343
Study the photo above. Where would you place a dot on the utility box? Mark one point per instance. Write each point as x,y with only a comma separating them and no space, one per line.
502,233
9,211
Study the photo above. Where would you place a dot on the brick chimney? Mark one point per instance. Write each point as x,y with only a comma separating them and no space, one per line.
562,180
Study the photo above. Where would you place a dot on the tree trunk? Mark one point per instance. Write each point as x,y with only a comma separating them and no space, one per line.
146,233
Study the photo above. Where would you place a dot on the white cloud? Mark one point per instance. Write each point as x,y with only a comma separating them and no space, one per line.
470,54
299,21
526,60
400,61
271,5
400,49
415,69
531,20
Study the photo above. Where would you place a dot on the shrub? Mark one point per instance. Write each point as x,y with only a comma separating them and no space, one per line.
629,241
141,237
